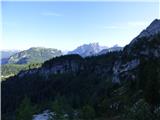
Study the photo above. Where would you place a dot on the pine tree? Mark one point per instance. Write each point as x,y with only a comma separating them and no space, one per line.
25,110
88,112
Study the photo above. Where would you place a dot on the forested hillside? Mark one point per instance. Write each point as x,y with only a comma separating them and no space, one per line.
121,85
33,55
8,70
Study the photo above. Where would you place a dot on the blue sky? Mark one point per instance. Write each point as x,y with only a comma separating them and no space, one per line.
66,25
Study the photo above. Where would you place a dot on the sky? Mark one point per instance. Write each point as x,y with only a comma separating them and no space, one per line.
66,25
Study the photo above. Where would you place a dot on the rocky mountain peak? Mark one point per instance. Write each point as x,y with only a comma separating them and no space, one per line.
94,44
88,49
152,29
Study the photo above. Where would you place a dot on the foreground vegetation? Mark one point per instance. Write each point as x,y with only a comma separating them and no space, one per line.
85,95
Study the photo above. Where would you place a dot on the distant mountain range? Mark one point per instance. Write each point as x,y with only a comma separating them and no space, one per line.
5,54
40,54
8,53
93,49
88,49
32,55
111,49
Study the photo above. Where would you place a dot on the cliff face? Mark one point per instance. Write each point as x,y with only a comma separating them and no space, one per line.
145,46
74,64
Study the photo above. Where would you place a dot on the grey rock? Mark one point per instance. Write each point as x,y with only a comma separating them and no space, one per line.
88,49
152,29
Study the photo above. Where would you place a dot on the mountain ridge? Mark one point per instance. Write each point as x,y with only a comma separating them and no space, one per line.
152,29
87,49
111,49
34,54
